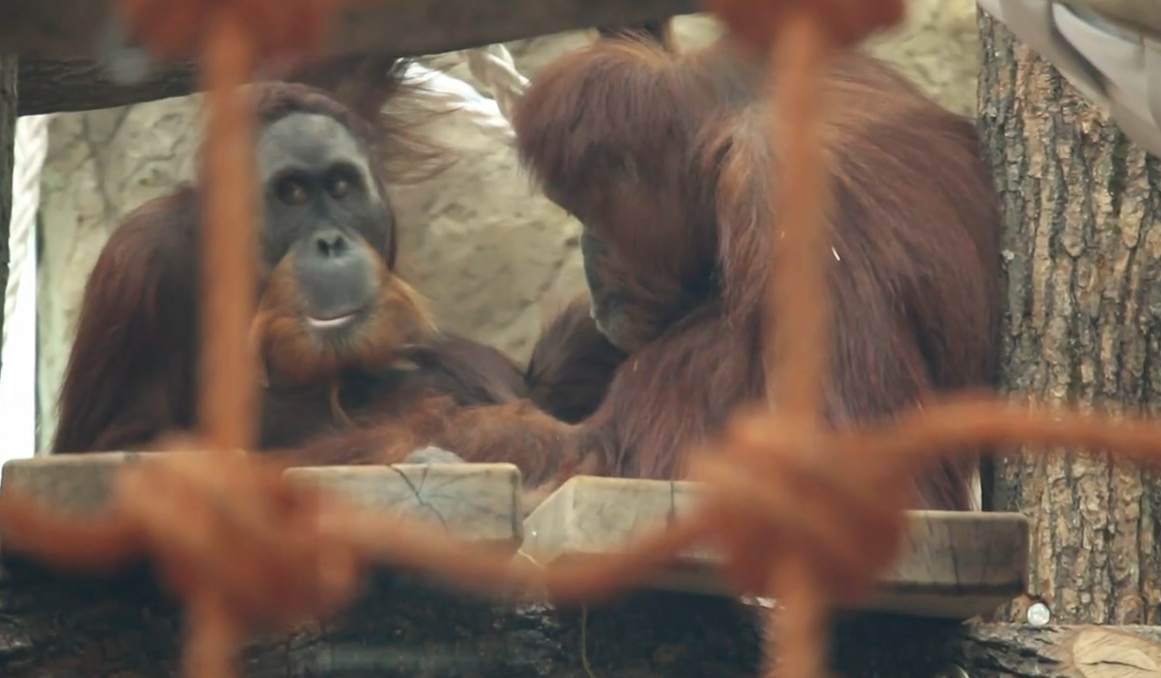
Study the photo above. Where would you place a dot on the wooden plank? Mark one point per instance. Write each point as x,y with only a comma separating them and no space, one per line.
74,28
954,566
75,484
479,502
56,83
96,628
64,85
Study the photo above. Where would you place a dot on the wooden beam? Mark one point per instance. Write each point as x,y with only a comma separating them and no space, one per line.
56,83
64,85
480,502
73,28
954,565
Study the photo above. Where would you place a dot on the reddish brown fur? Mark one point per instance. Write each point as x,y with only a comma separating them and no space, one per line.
572,364
666,160
132,370
400,318
660,31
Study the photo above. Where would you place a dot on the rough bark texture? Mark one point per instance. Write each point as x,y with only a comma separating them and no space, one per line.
54,628
124,629
7,138
1020,651
1082,246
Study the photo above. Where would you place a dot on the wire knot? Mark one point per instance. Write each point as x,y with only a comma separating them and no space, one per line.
233,524
224,527
774,492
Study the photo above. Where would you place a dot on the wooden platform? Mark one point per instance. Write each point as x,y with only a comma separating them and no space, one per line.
479,502
955,565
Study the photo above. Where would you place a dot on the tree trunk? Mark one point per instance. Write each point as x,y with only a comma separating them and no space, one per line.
1082,250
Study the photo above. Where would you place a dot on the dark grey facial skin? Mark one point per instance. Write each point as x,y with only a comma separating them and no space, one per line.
608,305
322,203
626,310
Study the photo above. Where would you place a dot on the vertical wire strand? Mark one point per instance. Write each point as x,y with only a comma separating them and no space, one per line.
212,638
799,300
227,385
798,317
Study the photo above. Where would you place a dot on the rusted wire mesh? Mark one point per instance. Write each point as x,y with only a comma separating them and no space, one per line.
801,514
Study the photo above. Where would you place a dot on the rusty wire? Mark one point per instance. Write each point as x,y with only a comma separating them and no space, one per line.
807,516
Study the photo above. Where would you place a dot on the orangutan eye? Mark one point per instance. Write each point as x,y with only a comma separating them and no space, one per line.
291,191
340,183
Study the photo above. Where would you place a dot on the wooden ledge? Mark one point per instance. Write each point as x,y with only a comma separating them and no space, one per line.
954,566
480,502
73,28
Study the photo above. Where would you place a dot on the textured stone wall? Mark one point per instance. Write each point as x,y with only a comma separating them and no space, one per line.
489,251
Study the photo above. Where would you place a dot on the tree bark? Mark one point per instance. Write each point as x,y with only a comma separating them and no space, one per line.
1022,651
401,626
1082,251
122,628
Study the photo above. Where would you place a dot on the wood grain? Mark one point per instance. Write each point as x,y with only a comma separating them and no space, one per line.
73,28
479,502
953,565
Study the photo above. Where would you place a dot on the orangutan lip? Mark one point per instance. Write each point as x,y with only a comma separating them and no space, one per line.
330,323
